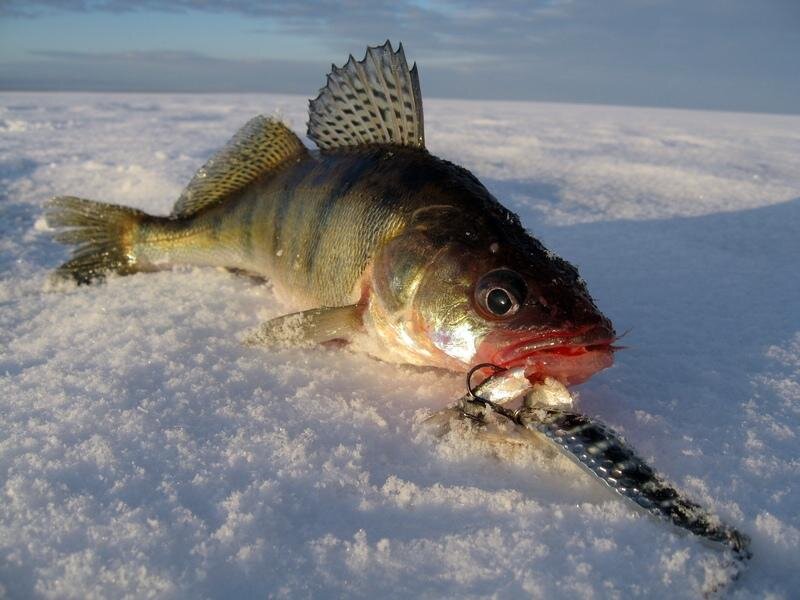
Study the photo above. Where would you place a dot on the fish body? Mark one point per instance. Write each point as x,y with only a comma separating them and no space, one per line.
371,239
312,227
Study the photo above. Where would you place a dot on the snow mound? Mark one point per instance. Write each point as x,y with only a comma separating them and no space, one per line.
144,451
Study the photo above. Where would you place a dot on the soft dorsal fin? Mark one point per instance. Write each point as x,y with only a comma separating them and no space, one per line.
260,146
373,101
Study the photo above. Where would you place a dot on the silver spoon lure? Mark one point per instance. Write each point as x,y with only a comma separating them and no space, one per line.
597,449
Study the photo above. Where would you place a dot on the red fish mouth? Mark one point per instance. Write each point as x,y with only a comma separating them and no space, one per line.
572,357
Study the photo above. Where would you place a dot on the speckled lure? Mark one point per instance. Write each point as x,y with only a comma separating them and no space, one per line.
599,451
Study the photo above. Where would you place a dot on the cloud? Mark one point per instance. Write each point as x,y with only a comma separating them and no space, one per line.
728,54
447,26
158,71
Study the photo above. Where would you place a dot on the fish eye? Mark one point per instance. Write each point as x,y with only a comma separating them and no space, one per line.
498,301
500,293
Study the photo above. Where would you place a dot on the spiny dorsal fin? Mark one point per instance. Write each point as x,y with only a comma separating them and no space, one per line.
260,146
373,101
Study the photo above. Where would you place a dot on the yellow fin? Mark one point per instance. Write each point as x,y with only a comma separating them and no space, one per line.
100,234
373,101
260,146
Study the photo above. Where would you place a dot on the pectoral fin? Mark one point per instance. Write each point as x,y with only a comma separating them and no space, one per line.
309,327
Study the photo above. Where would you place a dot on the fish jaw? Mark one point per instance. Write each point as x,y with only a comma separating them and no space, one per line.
570,356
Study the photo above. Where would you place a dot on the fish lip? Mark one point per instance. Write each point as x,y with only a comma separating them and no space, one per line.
589,339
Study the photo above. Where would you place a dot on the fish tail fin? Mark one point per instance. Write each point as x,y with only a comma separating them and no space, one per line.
102,236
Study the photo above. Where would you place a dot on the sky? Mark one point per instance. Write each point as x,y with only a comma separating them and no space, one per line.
715,54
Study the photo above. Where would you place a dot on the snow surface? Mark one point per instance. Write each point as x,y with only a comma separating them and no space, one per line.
145,452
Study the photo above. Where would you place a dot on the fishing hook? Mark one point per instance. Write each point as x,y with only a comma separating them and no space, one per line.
472,396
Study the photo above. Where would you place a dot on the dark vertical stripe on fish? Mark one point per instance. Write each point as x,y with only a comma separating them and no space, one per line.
217,220
247,227
342,186
283,202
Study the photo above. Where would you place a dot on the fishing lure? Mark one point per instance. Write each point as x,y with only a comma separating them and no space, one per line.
546,410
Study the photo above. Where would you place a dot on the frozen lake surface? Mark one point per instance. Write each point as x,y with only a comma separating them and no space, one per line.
144,451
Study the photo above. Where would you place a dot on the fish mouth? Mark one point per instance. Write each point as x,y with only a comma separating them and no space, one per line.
572,357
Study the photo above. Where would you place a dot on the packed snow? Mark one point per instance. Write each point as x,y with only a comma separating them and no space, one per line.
145,451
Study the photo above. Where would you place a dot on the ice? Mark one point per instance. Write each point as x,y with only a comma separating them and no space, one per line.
146,451
551,393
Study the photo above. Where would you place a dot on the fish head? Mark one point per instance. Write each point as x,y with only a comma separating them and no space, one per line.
538,314
500,299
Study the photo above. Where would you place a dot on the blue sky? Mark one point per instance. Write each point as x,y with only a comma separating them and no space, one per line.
716,54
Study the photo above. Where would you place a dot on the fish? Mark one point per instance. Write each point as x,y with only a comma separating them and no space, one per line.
368,239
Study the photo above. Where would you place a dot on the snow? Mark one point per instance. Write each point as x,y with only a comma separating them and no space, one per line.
145,451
